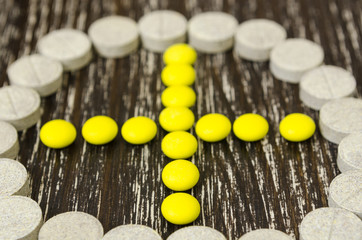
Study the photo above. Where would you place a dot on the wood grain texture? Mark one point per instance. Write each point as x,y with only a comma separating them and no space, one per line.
243,186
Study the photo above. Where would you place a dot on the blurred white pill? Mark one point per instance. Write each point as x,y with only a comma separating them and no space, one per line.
350,153
132,232
196,232
14,178
262,234
9,144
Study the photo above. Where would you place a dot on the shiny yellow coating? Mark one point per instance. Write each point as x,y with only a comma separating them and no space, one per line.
176,119
213,127
180,53
250,127
58,133
179,145
99,130
178,96
139,130
178,74
180,175
297,127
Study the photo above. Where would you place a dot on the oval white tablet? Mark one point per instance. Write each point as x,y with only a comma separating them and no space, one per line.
19,106
20,218
14,178
132,232
40,73
263,234
114,36
212,32
340,117
290,59
71,225
197,232
350,153
254,39
161,29
9,144
71,47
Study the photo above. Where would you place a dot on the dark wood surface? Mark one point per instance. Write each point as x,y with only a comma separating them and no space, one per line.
243,186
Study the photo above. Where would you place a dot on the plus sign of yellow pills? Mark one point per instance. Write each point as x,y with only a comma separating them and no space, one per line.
213,127
178,96
180,208
180,53
180,175
139,130
176,119
99,130
179,145
297,127
250,127
58,133
178,74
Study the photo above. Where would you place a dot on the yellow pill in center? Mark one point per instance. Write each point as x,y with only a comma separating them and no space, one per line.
99,130
297,127
176,119
179,145
213,127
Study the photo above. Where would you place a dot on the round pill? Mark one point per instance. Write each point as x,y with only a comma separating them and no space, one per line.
325,83
114,36
290,59
250,127
178,74
161,29
179,145
254,39
13,178
196,232
19,106
58,133
176,119
9,145
178,96
330,223
132,232
297,127
71,47
213,127
71,225
261,234
180,208
180,53
180,175
20,218
350,153
212,32
99,130
40,73
340,117
139,130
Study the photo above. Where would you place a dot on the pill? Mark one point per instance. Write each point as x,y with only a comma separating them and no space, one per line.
250,127
14,178
180,175
261,234
178,96
196,232
71,47
290,59
180,208
345,192
9,145
161,29
212,32
114,36
132,232
19,106
350,153
139,130
254,39
71,225
20,218
180,53
325,83
297,127
330,223
178,74
99,130
58,133
340,117
176,119
213,127
179,145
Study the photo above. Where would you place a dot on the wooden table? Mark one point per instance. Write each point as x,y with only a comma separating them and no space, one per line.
243,186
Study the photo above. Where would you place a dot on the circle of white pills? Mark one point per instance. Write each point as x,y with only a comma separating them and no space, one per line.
290,59
114,36
132,232
71,47
20,218
14,178
71,225
212,32
9,144
330,223
350,153
325,83
254,39
262,234
196,232
161,29
340,117
19,106
40,73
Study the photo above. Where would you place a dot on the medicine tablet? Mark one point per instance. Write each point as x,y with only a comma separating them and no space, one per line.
71,225
161,29
254,39
180,53
71,47
212,32
9,145
139,130
350,153
20,218
176,119
330,223
58,133
262,234
178,74
19,106
179,145
297,127
180,175
213,127
325,83
250,127
99,130
340,117
290,59
197,232
14,178
178,96
132,232
114,36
